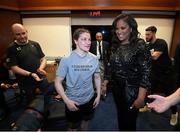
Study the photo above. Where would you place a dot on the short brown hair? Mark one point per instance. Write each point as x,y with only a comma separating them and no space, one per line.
79,31
152,29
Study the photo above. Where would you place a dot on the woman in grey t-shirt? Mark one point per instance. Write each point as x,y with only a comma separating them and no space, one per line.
79,69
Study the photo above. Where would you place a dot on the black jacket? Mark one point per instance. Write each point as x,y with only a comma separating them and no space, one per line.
130,65
177,64
105,51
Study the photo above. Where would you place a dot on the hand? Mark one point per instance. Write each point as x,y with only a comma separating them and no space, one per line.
138,103
96,102
41,71
160,103
15,85
5,86
72,105
103,89
36,77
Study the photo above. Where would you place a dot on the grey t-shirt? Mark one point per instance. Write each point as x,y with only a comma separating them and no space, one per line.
78,72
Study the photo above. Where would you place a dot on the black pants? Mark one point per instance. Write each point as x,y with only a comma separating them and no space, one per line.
3,105
29,85
126,117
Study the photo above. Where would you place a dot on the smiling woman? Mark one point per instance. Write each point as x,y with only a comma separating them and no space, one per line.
81,69
130,69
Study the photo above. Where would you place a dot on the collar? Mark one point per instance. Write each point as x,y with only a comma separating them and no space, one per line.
20,43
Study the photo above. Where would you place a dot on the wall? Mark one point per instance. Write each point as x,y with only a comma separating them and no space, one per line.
7,19
94,5
176,33
52,33
91,21
9,4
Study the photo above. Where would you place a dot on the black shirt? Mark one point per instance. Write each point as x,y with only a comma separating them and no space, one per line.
25,56
177,64
163,65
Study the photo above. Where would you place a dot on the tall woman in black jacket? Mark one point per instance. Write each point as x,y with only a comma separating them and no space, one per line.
129,69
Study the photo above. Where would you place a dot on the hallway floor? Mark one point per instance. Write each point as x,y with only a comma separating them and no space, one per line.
104,119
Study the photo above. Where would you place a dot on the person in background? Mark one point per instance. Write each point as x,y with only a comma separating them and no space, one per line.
130,65
161,104
5,83
177,65
162,75
79,69
101,49
27,60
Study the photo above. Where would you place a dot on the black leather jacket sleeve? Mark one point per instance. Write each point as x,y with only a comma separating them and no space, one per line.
144,61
